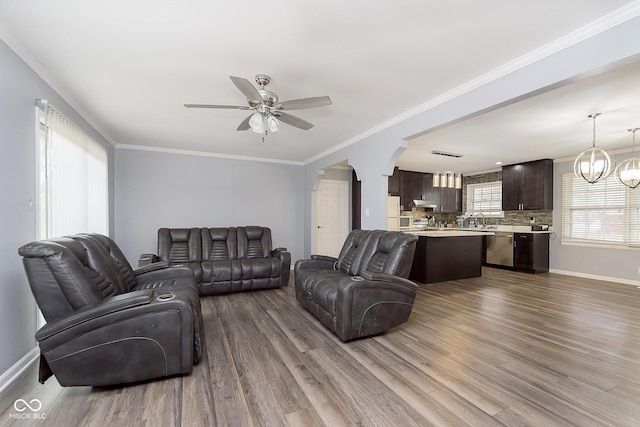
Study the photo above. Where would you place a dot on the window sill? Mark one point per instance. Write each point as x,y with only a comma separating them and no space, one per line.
619,246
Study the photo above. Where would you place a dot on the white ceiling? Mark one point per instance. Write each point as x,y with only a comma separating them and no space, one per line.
129,66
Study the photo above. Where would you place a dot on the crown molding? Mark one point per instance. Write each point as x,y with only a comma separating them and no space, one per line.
206,154
617,17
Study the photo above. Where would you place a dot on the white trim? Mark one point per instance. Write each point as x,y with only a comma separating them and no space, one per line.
603,24
206,154
595,277
12,374
620,246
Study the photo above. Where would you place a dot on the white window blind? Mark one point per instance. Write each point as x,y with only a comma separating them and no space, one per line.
604,212
485,198
73,178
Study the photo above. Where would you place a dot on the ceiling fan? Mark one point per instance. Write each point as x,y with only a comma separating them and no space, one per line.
268,109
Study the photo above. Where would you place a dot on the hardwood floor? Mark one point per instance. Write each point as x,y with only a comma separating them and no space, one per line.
502,349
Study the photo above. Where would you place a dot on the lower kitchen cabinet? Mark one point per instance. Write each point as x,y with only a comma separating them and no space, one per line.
438,259
531,252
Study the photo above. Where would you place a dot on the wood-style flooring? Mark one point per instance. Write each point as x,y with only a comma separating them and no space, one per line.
507,348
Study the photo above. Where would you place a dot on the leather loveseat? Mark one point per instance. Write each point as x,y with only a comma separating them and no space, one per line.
107,323
226,259
363,292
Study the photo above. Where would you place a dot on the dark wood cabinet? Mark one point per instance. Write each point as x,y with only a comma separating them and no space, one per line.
531,252
412,186
394,183
438,259
450,200
528,186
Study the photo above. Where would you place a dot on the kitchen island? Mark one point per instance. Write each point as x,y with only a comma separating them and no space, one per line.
447,254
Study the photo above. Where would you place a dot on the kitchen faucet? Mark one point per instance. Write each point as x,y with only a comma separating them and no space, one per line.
483,219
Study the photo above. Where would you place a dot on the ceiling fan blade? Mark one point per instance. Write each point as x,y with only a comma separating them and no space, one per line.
232,107
293,120
303,103
245,124
247,88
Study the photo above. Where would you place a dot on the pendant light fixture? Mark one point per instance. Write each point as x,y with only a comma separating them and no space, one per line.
593,164
447,179
628,172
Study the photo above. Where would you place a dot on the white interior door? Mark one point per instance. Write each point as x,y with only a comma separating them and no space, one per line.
332,215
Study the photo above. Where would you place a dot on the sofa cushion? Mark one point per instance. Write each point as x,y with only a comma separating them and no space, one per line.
181,246
254,242
351,253
385,254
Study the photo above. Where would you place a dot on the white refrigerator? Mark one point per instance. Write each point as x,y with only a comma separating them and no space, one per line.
393,213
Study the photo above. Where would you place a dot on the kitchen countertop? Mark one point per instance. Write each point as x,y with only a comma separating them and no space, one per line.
450,232
489,229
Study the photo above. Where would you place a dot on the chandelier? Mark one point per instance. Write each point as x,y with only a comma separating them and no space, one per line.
593,164
628,172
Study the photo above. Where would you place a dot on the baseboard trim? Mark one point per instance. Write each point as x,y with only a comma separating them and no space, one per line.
596,277
11,374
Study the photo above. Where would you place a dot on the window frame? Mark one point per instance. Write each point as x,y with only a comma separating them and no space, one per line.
609,213
483,186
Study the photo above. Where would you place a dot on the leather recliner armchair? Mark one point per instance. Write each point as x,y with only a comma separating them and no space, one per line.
363,292
108,324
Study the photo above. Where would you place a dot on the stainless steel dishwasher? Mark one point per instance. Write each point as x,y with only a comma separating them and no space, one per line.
500,249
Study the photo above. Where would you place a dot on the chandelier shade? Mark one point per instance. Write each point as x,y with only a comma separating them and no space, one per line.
628,172
593,164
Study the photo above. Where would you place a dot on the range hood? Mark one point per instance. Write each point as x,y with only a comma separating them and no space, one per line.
424,204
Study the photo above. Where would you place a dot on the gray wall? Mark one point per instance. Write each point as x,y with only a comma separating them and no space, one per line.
588,261
19,89
156,190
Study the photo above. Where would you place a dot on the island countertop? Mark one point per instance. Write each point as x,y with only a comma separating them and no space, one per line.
450,233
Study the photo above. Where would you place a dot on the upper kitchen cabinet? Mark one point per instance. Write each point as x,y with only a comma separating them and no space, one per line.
412,186
450,200
528,186
394,183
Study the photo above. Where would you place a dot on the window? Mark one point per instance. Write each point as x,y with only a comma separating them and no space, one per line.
485,198
73,178
604,212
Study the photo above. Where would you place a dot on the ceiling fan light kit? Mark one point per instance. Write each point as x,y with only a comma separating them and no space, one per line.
593,164
269,111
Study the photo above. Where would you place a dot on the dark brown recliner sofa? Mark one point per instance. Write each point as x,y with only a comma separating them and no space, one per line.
107,323
363,292
226,259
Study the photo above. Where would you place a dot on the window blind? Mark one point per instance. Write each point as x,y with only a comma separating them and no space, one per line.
485,198
73,178
603,212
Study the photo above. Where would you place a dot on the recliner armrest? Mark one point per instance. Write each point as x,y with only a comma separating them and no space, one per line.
324,258
146,259
316,262
285,264
150,267
382,277
107,306
177,271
